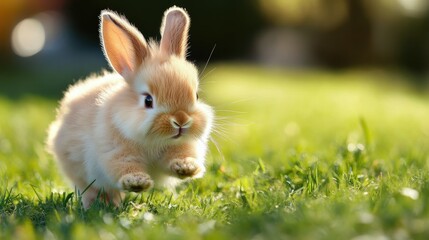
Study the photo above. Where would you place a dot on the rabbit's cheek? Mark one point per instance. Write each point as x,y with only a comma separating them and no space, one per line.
198,125
161,126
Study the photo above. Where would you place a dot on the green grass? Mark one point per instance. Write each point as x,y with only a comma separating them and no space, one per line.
303,155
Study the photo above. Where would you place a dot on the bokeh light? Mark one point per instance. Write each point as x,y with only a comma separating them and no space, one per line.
28,37
319,14
413,7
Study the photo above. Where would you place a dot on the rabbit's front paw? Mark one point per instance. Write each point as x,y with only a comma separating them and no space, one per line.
186,167
135,182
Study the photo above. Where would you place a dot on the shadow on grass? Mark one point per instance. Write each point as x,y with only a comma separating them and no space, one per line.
15,84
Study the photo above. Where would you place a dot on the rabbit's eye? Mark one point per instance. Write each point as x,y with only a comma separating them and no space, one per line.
197,96
148,101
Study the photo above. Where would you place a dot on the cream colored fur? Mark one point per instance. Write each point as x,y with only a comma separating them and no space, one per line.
105,134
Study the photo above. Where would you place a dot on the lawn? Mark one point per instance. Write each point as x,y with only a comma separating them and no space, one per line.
297,155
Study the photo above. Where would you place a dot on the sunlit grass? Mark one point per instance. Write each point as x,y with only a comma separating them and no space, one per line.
302,154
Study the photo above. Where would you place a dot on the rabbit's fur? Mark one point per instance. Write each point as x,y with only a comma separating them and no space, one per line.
139,126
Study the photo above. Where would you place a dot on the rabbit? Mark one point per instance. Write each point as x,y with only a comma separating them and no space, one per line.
139,125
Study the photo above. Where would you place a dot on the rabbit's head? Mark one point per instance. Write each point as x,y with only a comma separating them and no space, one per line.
162,103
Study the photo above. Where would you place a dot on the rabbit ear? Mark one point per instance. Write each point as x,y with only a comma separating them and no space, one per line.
174,31
123,45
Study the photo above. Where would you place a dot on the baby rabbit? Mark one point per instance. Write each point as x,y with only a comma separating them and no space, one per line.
141,125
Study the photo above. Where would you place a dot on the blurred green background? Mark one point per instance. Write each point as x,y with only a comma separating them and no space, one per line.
46,44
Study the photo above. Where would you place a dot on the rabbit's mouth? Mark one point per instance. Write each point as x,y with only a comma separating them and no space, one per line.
177,136
180,132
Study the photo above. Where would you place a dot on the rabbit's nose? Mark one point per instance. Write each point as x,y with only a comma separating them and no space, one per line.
176,124
181,120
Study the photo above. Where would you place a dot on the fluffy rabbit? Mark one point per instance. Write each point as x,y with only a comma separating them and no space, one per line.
141,125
